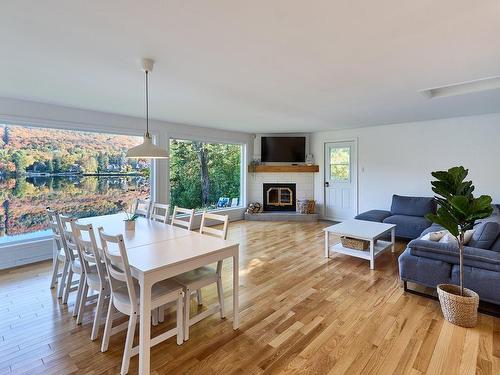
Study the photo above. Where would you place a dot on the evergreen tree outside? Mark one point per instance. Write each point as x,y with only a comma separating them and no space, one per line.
201,173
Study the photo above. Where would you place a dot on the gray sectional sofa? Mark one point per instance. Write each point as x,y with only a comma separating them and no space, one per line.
431,263
407,213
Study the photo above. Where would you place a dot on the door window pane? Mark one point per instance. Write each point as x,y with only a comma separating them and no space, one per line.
340,164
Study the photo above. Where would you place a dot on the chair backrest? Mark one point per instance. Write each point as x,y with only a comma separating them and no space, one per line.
142,207
159,212
88,249
69,242
117,265
55,225
183,223
223,219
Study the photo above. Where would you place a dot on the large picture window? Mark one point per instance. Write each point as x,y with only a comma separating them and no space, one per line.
205,175
74,172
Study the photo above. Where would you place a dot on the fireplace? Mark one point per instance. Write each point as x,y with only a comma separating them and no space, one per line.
279,197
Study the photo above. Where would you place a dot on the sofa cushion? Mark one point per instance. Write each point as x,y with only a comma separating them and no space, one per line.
412,206
485,235
373,215
496,245
448,252
408,226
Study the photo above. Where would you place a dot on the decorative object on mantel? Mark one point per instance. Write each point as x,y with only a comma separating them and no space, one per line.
458,211
253,165
254,208
309,159
355,243
283,168
306,206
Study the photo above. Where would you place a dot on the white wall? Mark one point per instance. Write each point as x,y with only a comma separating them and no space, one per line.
38,114
398,159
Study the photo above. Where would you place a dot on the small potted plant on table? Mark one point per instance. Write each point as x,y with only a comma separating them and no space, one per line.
457,212
130,220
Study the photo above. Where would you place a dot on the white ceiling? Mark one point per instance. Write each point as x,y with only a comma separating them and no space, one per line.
257,66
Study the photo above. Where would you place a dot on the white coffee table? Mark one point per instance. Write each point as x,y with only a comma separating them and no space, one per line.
363,230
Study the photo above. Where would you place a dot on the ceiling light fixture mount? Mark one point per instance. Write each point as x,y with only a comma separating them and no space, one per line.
147,150
469,87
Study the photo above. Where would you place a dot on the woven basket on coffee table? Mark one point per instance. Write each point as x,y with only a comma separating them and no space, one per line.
457,309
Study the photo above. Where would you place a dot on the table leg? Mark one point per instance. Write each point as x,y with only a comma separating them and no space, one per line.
236,298
327,244
145,327
372,255
393,239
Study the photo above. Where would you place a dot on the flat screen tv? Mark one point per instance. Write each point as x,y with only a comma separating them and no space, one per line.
283,149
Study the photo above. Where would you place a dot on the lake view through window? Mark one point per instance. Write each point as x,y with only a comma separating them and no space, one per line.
74,172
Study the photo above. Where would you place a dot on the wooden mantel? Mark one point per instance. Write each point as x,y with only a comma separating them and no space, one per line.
283,168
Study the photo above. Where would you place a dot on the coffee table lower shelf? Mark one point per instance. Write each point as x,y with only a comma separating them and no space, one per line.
378,248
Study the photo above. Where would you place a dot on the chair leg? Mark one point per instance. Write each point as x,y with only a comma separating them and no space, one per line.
180,318
55,271
187,312
64,277
98,313
161,314
69,280
198,297
81,304
82,284
128,344
220,292
154,317
108,326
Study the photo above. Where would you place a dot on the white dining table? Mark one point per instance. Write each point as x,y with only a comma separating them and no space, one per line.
158,251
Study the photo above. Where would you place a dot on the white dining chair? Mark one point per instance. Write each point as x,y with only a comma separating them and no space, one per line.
125,298
142,207
75,266
159,212
183,212
194,280
58,254
94,274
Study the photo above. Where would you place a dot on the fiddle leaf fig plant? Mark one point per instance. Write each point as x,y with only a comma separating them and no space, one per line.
458,209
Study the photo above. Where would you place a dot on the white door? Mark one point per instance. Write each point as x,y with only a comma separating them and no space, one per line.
341,180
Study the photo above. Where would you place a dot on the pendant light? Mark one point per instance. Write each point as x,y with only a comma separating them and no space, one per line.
147,150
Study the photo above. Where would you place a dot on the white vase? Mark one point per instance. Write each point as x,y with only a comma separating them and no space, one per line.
309,159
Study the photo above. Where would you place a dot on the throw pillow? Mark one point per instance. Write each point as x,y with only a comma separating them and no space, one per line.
485,235
449,238
434,236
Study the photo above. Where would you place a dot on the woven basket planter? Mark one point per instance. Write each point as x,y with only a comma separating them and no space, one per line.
457,309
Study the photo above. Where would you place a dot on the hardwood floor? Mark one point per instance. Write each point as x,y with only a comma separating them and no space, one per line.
300,314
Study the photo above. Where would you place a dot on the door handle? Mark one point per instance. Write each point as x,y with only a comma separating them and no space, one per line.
327,184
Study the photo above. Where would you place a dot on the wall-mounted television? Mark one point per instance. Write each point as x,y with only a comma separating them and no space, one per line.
283,149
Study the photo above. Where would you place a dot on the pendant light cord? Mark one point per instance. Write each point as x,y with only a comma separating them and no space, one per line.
147,106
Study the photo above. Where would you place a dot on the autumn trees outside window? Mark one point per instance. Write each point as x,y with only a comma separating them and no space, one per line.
205,175
75,172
